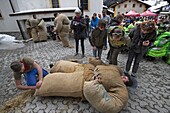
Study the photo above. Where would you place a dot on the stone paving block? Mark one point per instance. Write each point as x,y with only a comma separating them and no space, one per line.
61,106
30,107
152,110
92,110
143,103
40,111
83,106
52,111
39,106
142,110
163,110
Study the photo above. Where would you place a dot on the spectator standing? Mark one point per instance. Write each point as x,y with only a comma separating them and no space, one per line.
78,24
107,19
98,38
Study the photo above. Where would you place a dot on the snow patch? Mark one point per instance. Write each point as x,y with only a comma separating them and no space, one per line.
8,42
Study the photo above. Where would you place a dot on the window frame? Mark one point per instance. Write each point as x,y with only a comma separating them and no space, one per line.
85,4
1,16
125,5
140,5
53,4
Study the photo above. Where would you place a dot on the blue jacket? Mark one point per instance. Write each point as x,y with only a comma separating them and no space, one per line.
94,23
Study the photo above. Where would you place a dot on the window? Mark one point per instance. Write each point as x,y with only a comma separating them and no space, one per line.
118,6
84,4
125,5
133,6
1,15
140,5
55,3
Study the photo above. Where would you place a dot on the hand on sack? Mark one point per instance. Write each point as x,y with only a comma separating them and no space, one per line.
39,83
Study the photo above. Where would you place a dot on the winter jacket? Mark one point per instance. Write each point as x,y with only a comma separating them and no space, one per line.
124,41
107,19
79,26
114,22
137,38
94,23
98,38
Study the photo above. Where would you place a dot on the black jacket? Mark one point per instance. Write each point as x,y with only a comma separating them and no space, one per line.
78,25
137,38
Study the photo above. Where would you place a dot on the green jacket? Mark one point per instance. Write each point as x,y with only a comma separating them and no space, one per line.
125,41
98,38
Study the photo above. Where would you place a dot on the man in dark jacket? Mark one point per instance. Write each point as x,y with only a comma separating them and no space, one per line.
98,38
78,24
141,38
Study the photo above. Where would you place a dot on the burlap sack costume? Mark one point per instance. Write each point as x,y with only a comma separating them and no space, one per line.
42,31
62,84
74,80
100,99
66,79
70,67
62,27
117,96
37,27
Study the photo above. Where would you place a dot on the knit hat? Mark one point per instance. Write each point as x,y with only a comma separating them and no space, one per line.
77,11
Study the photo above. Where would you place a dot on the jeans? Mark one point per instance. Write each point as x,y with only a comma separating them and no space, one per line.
137,58
113,54
99,51
31,78
77,45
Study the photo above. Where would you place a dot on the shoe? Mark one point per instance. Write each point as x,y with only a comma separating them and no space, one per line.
76,54
36,41
104,48
134,81
126,73
83,55
43,41
51,65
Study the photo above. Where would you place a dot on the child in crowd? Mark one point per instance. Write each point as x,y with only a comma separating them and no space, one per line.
99,38
117,42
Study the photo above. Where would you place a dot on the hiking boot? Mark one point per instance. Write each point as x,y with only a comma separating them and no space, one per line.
51,65
134,81
76,54
83,55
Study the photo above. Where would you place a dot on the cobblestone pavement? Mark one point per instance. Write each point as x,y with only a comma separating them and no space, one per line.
151,96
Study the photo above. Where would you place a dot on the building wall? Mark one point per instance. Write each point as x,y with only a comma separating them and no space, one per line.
95,6
68,3
122,9
33,4
7,23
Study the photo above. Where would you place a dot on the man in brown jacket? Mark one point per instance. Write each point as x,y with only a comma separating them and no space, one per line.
62,27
